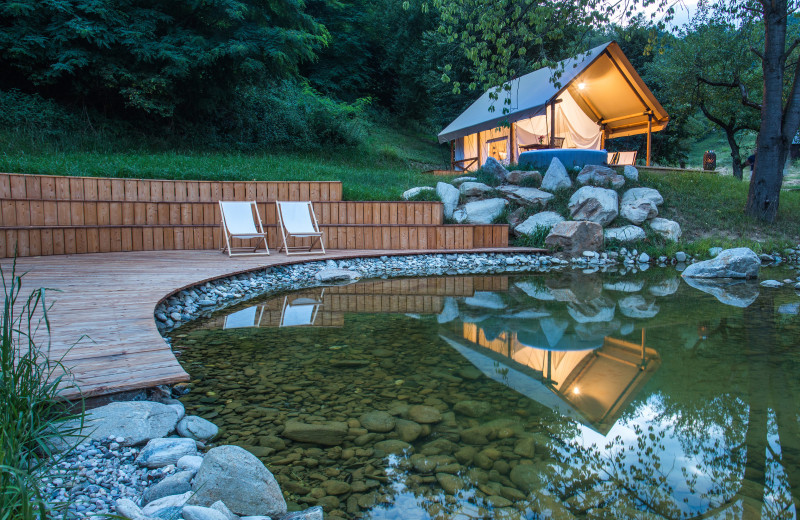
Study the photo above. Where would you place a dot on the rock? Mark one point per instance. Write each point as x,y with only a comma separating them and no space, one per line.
413,192
714,251
474,189
459,180
575,237
520,176
377,421
392,446
220,506
771,284
628,286
740,262
167,507
189,463
529,197
449,195
665,287
598,175
544,219
556,178
408,431
527,477
680,256
643,258
450,483
202,513
625,233
128,509
336,275
240,480
669,229
525,448
494,167
424,414
161,452
640,204
136,422
630,173
480,211
636,306
314,513
472,408
197,428
175,484
594,204
331,433
336,487
737,293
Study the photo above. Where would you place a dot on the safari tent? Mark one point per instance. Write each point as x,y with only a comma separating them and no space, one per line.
599,96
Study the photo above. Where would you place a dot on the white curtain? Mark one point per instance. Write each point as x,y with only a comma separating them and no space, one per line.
572,124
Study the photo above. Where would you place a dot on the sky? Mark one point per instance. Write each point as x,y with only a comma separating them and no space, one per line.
684,10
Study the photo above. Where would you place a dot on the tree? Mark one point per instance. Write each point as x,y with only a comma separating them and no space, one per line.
151,58
697,68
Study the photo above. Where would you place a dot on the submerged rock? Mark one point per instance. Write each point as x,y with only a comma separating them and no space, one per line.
737,293
331,433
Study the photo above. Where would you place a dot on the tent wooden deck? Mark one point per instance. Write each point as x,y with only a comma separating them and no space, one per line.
102,315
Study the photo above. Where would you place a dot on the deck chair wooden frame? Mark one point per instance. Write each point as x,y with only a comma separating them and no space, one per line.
626,158
302,223
234,224
613,157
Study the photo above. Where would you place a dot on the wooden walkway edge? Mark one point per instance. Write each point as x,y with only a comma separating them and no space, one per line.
102,323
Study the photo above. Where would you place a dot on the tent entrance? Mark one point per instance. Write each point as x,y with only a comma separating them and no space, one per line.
498,148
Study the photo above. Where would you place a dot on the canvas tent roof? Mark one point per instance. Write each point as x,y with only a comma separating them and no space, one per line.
614,96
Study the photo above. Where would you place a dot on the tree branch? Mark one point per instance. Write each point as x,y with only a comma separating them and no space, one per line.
719,122
746,101
757,53
791,49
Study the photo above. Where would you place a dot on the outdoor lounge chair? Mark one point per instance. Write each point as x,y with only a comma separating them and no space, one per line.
613,157
249,317
241,221
626,158
297,220
300,311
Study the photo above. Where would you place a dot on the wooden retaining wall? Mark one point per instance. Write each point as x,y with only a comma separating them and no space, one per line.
46,215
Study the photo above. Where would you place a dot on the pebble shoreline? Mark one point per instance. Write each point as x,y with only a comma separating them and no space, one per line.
95,475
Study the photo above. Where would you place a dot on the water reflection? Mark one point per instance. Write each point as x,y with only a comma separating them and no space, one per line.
566,396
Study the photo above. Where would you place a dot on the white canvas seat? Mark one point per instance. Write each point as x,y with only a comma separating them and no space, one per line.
297,220
301,311
626,158
241,221
249,317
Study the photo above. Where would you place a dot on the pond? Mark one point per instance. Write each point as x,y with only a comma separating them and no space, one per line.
558,395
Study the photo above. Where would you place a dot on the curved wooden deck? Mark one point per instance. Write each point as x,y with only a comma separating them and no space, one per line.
102,323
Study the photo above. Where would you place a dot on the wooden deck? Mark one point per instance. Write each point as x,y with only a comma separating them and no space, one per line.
102,318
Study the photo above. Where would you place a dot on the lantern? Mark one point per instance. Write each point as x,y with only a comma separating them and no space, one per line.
710,160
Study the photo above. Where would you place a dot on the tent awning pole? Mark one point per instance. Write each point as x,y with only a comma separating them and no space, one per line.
649,135
512,142
452,155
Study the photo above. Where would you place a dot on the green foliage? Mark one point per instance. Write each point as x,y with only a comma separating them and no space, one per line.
426,195
535,239
31,414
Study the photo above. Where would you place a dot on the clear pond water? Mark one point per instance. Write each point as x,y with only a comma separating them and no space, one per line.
558,395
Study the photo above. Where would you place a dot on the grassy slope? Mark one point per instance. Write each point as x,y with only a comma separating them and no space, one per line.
386,165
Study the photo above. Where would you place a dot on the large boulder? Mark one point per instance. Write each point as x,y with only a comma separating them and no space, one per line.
630,173
330,433
598,175
544,219
556,177
474,189
520,176
640,204
449,195
740,262
625,233
136,422
669,229
240,480
494,167
575,237
480,211
598,205
530,197
413,192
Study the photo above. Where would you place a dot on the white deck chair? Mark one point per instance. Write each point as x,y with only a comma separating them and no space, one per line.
249,317
297,220
300,311
240,220
626,158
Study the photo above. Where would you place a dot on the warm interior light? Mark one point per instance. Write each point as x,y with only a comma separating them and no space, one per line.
581,85
576,390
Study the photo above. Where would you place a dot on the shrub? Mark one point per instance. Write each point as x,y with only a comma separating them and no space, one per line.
535,239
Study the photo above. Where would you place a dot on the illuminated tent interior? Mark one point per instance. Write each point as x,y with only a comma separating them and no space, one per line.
590,385
600,96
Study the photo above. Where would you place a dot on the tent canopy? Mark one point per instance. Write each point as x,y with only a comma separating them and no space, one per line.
601,82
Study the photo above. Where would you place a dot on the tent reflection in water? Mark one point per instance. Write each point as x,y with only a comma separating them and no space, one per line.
592,384
599,96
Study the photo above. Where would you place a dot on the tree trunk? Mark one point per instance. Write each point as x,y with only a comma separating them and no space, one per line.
772,146
735,153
